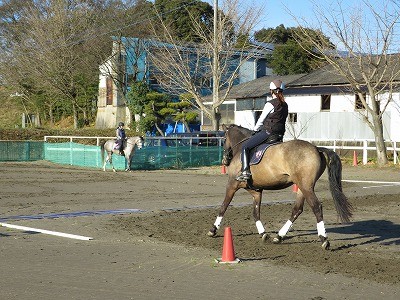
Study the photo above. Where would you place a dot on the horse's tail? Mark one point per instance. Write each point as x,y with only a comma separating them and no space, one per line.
342,205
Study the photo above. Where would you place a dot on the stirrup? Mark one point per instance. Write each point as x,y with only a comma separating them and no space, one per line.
244,176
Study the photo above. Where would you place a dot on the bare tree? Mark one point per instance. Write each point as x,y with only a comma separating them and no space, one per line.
57,46
212,64
365,38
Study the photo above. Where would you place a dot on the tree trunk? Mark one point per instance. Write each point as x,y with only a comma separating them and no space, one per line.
215,119
51,116
159,130
75,114
381,152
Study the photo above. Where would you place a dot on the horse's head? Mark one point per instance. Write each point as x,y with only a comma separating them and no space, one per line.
234,136
135,140
139,142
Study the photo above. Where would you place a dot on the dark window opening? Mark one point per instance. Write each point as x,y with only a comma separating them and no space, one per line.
325,102
292,117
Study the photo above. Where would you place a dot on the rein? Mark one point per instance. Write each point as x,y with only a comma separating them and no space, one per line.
238,143
130,143
228,154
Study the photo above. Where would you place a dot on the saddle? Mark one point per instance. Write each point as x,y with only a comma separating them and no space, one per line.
118,146
257,153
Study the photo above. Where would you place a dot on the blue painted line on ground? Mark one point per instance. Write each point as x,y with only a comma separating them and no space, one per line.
121,211
72,214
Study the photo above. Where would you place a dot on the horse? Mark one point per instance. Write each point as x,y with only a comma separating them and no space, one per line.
129,150
283,164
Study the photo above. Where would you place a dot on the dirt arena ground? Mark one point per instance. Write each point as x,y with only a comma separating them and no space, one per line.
159,249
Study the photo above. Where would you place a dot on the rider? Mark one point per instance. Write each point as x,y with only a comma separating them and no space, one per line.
270,126
121,136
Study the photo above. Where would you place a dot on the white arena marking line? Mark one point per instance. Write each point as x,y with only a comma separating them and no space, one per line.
67,235
378,186
368,181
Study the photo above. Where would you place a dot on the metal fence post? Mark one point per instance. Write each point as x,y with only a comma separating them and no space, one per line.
365,152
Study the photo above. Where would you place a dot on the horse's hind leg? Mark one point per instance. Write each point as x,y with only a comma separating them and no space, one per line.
108,159
296,212
105,162
316,207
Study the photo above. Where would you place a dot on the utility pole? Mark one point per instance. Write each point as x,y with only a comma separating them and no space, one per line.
215,66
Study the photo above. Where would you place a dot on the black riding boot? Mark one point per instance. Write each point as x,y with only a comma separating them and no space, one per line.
245,174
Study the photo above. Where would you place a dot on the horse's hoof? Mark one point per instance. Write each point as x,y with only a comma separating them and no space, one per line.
326,245
265,237
277,240
211,234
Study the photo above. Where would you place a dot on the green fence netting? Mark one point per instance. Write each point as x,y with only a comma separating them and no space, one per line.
21,150
147,158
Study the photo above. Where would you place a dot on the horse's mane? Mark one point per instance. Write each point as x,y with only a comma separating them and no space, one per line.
236,132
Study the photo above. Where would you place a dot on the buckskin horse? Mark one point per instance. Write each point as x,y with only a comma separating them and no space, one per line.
129,150
283,164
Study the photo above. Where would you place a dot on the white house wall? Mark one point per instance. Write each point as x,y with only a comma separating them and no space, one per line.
245,119
394,107
334,125
343,121
303,103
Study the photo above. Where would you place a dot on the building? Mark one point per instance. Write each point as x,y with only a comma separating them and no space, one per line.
130,62
321,106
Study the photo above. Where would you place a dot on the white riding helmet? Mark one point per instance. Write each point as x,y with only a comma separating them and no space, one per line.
276,84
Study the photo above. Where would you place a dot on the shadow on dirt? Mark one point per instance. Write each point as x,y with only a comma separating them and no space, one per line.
381,232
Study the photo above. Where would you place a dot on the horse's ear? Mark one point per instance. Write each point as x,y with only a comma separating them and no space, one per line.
224,128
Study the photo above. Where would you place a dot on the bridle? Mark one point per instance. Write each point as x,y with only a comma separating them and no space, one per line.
228,153
139,140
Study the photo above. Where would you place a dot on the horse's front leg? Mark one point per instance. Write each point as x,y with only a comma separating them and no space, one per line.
128,163
231,189
257,196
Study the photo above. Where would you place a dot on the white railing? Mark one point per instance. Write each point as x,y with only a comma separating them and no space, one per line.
391,146
71,138
339,145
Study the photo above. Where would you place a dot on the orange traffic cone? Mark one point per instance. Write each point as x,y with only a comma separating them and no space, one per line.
355,159
295,188
223,169
228,252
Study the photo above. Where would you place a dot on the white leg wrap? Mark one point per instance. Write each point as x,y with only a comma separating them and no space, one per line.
218,222
284,230
321,229
260,227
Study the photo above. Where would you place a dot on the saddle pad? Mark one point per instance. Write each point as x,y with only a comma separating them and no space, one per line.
257,153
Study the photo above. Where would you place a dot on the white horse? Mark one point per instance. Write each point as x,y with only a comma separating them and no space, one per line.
129,149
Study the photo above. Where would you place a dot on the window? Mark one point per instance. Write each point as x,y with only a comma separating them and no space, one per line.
227,115
325,102
358,102
292,117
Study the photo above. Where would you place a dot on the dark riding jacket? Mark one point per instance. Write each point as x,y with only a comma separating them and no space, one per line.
121,133
120,137
276,119
270,124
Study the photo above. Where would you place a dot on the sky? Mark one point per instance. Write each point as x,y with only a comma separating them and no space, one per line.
277,12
